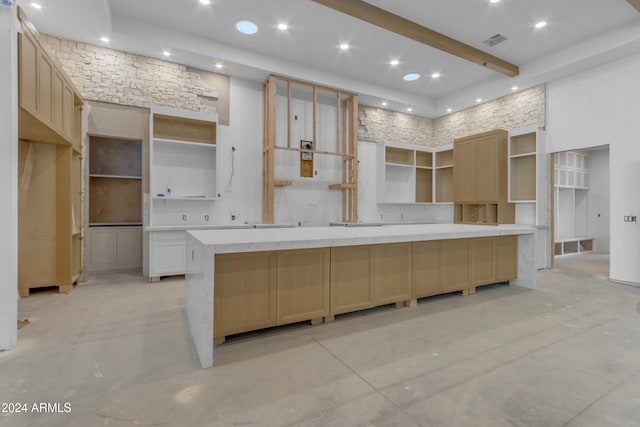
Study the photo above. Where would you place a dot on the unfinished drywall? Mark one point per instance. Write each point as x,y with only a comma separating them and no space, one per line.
8,177
599,203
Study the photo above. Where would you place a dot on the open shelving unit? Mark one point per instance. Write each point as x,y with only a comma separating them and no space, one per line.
115,203
572,183
182,183
411,175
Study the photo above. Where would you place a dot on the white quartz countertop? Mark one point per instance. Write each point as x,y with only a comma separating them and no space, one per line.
196,227
231,241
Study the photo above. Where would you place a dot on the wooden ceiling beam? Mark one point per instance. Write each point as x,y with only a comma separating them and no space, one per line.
384,19
635,3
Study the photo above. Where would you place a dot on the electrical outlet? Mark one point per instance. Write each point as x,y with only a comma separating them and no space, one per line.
315,172
381,216
206,217
184,217
233,215
401,216
634,218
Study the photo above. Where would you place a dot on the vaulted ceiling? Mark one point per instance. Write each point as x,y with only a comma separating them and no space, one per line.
579,34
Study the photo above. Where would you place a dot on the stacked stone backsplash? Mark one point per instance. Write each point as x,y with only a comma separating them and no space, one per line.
525,108
380,125
109,75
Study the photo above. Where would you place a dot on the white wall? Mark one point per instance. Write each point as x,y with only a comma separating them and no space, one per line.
8,177
599,200
242,193
596,107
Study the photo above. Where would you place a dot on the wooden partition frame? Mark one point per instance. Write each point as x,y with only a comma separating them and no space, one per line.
347,147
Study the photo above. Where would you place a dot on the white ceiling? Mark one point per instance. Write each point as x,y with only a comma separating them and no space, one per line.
579,34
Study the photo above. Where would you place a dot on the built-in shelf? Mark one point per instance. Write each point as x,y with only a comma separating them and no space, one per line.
114,224
189,198
282,183
522,155
186,143
415,175
341,186
114,176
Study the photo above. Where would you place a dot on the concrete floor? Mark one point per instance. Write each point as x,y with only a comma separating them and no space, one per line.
117,349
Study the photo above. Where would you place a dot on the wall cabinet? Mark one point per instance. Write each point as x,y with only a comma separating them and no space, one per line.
183,181
49,170
480,180
408,175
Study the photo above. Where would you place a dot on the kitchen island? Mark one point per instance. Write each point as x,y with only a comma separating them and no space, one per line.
242,280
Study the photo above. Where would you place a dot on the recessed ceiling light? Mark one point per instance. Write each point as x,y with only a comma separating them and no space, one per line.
494,1
246,27
541,24
384,103
166,53
283,27
514,88
449,110
36,6
435,75
205,2
478,100
411,77
105,39
394,62
409,109
219,65
344,46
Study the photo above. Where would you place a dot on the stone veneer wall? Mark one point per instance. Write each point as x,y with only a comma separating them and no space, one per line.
108,75
525,108
379,125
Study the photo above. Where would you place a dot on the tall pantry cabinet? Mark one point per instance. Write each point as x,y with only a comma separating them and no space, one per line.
49,169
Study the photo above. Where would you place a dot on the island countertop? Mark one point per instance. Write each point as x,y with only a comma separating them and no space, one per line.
230,241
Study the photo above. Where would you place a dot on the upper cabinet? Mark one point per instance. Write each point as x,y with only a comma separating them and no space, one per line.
480,179
49,104
409,175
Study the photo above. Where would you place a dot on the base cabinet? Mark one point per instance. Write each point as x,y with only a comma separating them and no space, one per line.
391,273
166,253
245,292
262,289
115,248
351,284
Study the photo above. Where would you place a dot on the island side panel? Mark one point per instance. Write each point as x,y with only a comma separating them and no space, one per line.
527,272
199,287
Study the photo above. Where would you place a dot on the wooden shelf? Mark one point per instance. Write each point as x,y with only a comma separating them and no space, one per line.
517,156
114,176
181,142
341,186
282,183
193,198
399,156
399,165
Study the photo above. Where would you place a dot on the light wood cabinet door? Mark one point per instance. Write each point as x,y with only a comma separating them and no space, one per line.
456,265
244,292
426,280
464,172
391,272
506,258
67,112
57,84
351,283
45,88
28,72
487,168
302,285
483,260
